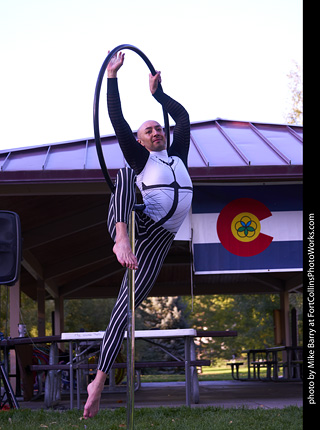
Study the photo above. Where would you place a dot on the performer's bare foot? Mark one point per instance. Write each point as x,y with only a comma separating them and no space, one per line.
94,389
122,248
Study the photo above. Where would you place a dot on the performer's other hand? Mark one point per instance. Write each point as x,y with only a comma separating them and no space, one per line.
114,64
154,81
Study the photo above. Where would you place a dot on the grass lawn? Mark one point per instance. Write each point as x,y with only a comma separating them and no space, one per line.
181,418
217,373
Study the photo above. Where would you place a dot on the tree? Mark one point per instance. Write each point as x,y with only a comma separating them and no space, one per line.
87,314
295,116
161,313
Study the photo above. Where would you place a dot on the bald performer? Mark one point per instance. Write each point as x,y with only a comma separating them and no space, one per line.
166,188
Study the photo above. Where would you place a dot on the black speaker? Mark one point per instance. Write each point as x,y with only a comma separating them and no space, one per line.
10,247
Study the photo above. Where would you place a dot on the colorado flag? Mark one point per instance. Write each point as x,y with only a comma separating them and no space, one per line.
254,228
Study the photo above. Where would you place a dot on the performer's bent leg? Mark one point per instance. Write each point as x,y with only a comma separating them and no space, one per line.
121,205
122,201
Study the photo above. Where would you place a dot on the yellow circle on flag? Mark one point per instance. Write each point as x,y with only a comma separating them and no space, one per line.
245,227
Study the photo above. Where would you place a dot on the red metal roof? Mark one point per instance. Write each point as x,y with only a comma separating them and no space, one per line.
219,149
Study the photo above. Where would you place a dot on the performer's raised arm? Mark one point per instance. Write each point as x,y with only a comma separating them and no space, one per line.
135,155
181,132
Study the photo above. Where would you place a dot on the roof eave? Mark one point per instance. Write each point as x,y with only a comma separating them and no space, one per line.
208,173
247,173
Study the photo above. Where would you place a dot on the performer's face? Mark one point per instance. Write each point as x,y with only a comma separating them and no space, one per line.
152,136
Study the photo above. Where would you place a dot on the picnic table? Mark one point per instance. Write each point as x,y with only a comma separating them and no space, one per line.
289,358
76,345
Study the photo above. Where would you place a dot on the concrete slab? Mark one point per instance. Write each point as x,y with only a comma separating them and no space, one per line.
225,394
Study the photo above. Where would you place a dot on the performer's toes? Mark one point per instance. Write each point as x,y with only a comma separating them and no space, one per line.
92,405
125,255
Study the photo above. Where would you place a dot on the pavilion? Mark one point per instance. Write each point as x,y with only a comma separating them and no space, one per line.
60,194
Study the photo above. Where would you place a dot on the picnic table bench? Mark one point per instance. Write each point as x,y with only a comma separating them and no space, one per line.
235,369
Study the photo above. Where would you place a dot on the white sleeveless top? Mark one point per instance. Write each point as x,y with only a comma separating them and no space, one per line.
166,190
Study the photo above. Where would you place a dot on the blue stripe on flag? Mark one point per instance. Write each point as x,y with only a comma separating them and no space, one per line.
214,258
212,199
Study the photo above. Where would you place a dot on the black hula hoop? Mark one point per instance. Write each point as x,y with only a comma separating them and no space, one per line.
96,107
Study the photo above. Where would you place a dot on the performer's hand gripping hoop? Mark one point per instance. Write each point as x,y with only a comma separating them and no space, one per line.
96,107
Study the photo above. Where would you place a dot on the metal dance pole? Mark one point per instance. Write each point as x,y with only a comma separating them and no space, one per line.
130,331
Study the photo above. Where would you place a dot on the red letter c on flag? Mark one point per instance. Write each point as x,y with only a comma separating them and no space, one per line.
238,227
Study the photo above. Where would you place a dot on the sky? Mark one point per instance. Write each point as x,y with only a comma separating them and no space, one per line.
220,59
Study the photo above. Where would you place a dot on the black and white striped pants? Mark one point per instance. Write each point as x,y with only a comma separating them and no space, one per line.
151,247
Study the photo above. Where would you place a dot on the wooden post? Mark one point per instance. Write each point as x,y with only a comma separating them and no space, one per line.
41,308
15,302
285,326
285,318
59,319
58,316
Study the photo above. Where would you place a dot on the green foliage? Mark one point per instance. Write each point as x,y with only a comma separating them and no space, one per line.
250,315
88,314
28,313
161,313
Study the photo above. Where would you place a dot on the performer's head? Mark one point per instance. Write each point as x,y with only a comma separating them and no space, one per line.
151,135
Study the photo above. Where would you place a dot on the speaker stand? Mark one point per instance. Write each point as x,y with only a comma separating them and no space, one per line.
8,395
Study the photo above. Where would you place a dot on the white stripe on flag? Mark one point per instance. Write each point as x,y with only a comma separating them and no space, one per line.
282,226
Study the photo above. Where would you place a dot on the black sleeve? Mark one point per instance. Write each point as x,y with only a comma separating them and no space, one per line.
181,134
134,153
